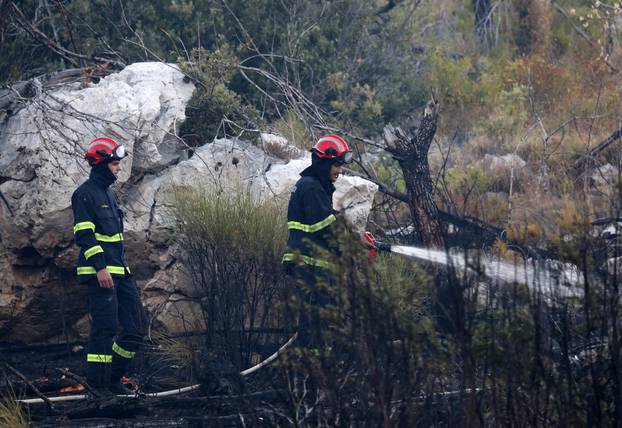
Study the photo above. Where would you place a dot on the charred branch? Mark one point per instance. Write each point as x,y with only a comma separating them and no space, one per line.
31,386
599,148
80,380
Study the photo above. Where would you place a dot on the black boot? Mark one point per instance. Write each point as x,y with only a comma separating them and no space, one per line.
98,378
118,387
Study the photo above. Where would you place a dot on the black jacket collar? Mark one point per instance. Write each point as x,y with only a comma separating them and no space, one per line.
102,176
321,171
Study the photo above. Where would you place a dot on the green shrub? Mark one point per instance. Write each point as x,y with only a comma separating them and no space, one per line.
293,129
233,246
213,104
376,331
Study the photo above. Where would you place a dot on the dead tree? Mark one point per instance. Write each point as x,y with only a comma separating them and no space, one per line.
483,21
410,149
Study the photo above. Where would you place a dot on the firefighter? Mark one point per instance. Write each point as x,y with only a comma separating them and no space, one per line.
113,296
312,225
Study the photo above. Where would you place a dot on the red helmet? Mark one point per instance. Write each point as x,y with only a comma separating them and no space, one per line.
332,147
104,149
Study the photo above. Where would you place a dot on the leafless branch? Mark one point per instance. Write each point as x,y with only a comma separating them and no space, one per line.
59,50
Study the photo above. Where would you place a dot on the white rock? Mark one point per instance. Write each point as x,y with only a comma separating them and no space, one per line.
604,178
41,150
502,164
278,147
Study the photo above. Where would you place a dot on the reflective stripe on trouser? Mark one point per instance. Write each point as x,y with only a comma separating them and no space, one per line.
122,352
311,261
109,309
85,225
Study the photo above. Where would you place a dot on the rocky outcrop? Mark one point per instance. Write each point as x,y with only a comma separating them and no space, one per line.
41,164
502,165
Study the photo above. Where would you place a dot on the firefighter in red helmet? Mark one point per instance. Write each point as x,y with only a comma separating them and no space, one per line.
312,225
114,299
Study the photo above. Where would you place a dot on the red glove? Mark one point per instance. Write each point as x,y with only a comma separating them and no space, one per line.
370,242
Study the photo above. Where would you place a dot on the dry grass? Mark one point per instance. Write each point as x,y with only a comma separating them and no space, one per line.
12,415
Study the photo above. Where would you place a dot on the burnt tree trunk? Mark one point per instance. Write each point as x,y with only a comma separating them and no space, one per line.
410,149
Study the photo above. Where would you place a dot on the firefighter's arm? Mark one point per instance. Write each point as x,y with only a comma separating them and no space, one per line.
84,235
319,215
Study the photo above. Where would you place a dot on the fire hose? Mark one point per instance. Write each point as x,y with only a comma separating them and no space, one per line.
374,245
177,391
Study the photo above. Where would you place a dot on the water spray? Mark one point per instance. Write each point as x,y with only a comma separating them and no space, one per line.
551,276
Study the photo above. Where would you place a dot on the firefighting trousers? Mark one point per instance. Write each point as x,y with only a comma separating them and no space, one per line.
308,285
113,310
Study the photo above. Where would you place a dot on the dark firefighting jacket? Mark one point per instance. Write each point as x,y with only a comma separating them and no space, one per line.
311,219
98,226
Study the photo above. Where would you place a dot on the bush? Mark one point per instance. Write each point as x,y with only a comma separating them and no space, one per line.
503,353
214,110
376,332
293,129
233,246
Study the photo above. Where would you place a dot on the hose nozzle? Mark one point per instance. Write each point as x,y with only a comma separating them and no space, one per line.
383,246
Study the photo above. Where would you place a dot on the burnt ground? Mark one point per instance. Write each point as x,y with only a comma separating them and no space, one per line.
224,398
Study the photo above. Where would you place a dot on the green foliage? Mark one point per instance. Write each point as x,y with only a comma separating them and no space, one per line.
472,178
212,101
174,352
508,114
257,231
358,104
387,173
293,129
404,288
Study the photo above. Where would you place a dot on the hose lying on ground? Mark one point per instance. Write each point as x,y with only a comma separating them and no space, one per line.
183,390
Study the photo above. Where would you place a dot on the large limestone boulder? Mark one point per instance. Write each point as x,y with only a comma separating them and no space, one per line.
41,149
41,161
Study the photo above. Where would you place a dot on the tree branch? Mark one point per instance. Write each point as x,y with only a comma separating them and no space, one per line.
599,148
59,50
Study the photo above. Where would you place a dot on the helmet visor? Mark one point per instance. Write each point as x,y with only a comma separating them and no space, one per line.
346,157
119,152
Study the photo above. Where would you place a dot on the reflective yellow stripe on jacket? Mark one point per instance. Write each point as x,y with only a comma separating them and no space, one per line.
92,251
310,228
83,226
89,270
311,261
117,237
